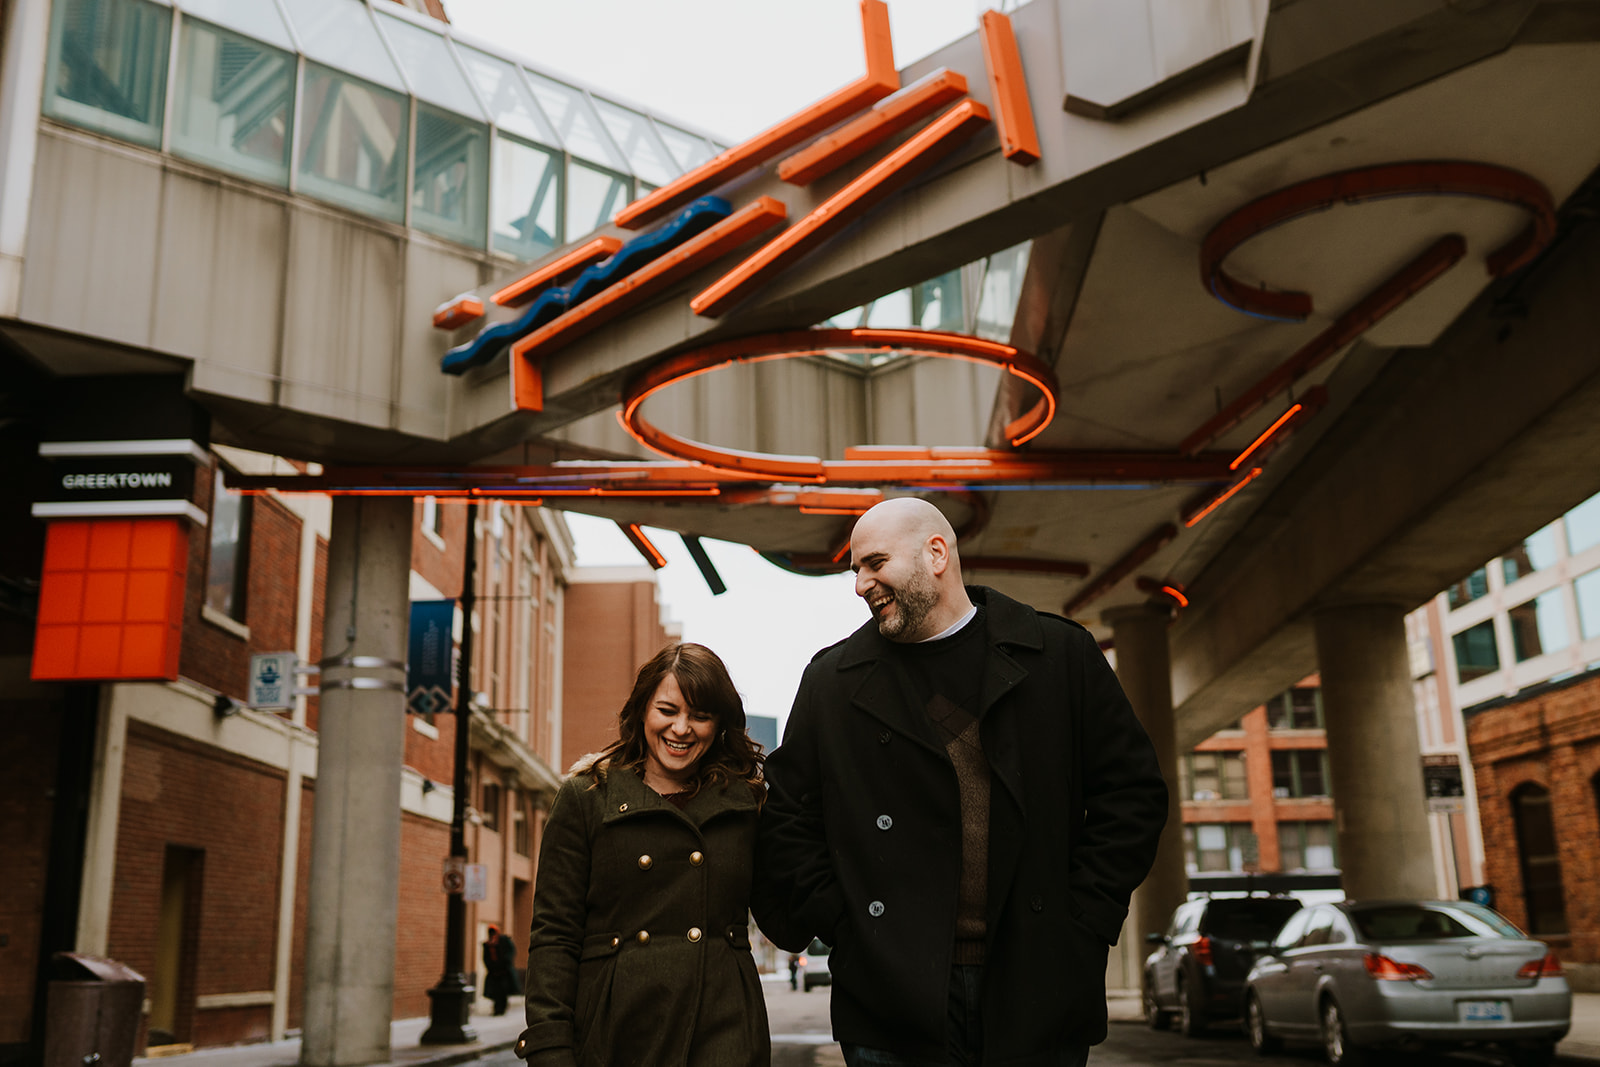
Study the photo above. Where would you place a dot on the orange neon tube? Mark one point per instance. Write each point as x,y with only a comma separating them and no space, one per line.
1265,436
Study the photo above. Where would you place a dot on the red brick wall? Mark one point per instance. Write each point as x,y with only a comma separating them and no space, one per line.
27,775
612,628
218,657
1551,739
419,942
170,796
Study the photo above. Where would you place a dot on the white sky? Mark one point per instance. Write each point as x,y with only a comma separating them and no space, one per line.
731,68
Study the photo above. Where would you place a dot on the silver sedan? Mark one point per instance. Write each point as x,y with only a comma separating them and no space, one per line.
1414,974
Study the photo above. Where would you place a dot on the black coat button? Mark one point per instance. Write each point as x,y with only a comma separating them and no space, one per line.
1037,903
883,737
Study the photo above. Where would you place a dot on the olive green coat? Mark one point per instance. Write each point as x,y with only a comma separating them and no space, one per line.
640,947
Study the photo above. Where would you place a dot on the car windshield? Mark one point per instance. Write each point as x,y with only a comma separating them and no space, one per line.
1249,920
1412,922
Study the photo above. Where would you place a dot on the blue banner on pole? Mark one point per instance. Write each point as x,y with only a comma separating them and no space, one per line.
430,658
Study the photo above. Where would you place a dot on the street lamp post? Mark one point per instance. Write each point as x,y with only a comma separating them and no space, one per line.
451,1000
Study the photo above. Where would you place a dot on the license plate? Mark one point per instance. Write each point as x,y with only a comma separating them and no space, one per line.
1483,1011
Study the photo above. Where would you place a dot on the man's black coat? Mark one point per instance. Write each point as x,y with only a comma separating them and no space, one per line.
860,839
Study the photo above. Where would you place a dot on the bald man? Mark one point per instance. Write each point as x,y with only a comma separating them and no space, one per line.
962,804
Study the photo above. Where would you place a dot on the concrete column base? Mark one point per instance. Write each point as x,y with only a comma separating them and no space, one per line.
1385,847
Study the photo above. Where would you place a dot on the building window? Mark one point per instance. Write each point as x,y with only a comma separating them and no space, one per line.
1306,846
1220,847
352,140
527,198
593,196
234,103
1476,654
1583,526
107,67
450,191
1537,854
228,564
1539,626
1587,590
522,822
1468,589
1534,554
1298,709
489,810
1299,772
1214,776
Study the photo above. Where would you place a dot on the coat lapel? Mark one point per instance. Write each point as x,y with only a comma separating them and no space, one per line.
882,693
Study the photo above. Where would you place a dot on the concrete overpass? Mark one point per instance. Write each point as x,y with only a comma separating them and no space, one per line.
1442,425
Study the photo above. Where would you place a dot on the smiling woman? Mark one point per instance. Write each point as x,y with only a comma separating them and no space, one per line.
640,948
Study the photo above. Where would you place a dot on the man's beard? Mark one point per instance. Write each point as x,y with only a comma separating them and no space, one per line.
913,600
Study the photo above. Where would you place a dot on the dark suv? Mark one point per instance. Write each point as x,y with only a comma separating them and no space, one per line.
1198,967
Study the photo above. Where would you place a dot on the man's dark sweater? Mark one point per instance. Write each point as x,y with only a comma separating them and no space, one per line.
946,676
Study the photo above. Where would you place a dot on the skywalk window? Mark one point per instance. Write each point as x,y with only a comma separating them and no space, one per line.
353,143
449,191
107,68
234,103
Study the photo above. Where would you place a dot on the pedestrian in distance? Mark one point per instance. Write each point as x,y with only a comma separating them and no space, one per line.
962,805
499,963
640,947
794,971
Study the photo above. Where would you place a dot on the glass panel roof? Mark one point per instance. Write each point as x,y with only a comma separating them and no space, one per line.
510,105
340,34
430,67
631,131
690,150
575,121
258,20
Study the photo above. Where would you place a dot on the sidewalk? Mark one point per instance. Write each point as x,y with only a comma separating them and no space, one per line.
495,1034
1582,1043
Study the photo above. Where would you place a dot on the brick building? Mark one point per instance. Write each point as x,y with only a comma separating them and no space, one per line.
1536,760
1256,797
168,826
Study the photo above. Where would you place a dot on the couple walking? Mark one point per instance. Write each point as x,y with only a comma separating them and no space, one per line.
962,804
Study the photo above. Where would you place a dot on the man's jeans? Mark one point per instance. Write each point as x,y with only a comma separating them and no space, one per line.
964,1033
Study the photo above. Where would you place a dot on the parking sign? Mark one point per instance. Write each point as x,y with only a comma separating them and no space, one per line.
272,677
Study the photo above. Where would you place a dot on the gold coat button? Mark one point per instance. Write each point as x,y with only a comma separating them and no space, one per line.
615,941
697,858
645,862
622,807
694,933
644,937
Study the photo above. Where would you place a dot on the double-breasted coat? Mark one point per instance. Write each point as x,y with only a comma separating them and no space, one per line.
861,838
640,946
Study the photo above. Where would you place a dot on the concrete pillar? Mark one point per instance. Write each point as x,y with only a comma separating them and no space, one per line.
1385,848
355,836
1145,670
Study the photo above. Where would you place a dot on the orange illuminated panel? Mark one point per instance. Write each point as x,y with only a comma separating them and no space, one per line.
457,313
652,555
111,600
1019,139
887,118
529,285
1207,506
931,144
880,80
642,284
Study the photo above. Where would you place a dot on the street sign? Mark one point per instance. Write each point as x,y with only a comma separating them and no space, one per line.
1441,780
272,677
477,887
455,874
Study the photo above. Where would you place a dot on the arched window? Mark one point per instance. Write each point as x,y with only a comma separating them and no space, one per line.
1539,859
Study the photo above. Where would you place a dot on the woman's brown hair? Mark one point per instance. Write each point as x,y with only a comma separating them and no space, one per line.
707,688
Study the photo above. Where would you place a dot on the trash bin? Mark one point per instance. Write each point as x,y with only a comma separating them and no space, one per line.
92,1012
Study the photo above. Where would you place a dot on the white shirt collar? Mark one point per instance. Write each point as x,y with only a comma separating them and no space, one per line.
953,627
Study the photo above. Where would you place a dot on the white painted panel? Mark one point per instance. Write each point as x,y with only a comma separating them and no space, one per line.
341,319
91,262
219,289
433,275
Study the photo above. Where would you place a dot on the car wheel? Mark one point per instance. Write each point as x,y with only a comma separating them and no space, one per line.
1153,1015
1191,1016
1255,1028
806,983
1541,1055
1336,1038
